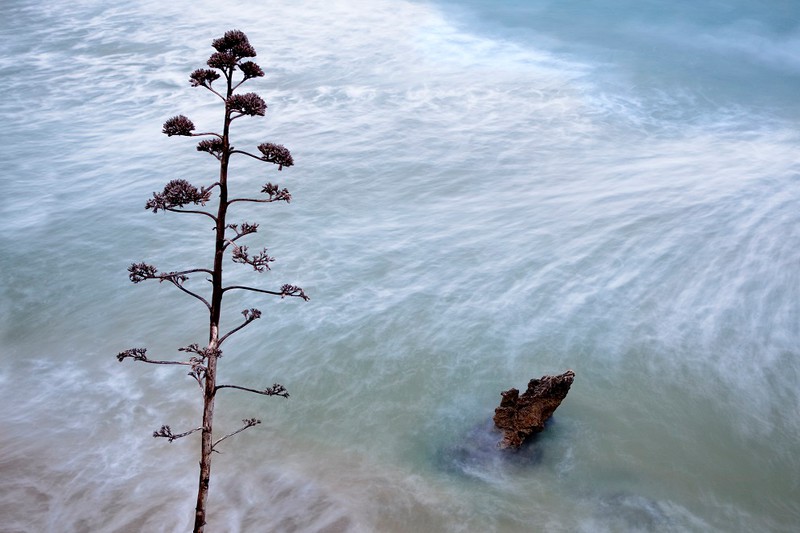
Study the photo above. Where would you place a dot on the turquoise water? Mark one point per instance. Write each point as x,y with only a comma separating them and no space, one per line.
483,193
707,54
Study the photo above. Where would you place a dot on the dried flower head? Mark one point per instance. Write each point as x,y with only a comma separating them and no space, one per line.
178,125
139,272
203,76
248,104
259,262
202,352
276,153
198,371
174,277
137,354
248,227
167,433
222,61
251,70
193,348
177,193
214,147
277,194
293,290
251,314
236,43
276,390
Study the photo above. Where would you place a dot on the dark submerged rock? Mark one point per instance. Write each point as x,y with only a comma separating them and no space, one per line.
477,453
520,416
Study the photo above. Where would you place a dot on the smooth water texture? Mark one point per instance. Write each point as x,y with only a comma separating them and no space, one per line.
484,192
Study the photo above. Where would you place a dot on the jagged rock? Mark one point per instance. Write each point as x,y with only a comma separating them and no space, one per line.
518,417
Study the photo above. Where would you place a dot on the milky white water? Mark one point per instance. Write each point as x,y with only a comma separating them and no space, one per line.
483,193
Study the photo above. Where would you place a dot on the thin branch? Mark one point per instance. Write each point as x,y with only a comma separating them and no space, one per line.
208,132
191,271
215,92
167,433
276,390
264,201
249,70
248,423
178,282
198,371
204,78
286,290
139,272
190,293
246,153
249,316
276,194
242,287
139,354
191,211
246,229
239,84
231,241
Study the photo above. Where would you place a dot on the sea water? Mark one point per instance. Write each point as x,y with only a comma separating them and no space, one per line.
484,192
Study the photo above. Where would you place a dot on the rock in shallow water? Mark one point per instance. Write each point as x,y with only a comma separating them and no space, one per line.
476,454
519,417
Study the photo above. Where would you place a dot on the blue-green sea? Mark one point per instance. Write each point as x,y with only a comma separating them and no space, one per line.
483,193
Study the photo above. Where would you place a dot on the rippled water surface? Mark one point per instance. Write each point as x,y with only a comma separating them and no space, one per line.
484,192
